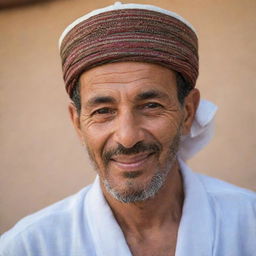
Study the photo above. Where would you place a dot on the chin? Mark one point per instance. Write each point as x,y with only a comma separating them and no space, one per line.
133,188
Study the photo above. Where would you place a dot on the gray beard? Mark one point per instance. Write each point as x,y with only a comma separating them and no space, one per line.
152,188
155,184
149,191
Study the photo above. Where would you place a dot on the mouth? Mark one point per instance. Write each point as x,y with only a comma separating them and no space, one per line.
131,162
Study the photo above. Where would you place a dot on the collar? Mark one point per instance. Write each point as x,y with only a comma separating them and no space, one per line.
196,230
107,235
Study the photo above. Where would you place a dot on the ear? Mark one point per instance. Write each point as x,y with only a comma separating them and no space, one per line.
190,106
75,118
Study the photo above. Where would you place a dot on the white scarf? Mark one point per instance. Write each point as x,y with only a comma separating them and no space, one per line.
201,132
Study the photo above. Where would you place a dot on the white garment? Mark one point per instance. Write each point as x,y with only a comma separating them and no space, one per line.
218,219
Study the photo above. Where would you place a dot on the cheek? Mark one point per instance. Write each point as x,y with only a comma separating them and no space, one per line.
96,137
164,129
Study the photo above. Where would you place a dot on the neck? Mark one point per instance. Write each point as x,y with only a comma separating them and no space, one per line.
163,209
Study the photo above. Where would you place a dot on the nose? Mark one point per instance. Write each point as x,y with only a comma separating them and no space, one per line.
128,131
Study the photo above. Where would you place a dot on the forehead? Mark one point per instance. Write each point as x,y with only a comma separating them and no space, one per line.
131,77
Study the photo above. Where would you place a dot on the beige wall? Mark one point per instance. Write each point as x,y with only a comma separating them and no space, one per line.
41,159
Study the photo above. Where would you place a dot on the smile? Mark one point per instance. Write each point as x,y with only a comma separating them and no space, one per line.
130,162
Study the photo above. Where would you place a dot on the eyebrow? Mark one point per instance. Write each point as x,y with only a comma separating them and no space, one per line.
100,100
151,94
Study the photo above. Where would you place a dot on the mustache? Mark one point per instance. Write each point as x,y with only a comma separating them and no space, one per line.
137,148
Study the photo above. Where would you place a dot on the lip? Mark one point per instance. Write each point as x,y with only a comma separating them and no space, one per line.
131,162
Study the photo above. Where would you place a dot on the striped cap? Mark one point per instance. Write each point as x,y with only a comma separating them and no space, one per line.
129,32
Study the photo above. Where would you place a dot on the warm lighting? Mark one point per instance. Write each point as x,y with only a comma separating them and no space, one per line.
15,3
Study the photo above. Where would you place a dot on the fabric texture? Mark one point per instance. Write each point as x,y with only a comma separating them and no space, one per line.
218,219
124,34
117,6
201,132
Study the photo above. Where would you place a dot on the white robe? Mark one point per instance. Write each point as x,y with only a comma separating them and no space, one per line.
218,219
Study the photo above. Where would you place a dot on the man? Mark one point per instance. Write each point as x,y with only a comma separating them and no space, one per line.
131,71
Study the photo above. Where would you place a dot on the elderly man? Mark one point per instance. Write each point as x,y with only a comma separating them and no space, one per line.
131,71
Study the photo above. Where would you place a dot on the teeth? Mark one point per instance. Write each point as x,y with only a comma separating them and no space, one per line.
131,159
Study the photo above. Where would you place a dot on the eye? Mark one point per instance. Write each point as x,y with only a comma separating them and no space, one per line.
152,105
103,111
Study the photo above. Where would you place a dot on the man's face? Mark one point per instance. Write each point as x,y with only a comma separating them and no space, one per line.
131,121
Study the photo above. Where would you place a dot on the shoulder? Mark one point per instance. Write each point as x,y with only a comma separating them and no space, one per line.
216,187
45,225
229,199
234,221
217,191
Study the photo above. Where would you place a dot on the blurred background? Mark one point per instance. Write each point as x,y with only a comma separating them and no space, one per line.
41,159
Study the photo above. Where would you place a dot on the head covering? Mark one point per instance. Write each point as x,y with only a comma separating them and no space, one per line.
201,132
143,33
129,32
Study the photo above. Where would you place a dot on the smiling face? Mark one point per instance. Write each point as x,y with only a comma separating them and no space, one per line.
131,121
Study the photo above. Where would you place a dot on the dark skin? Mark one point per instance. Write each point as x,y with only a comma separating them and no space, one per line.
126,103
